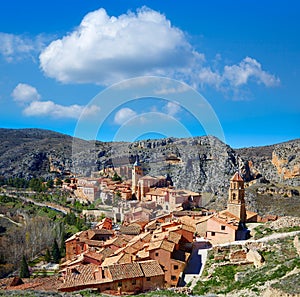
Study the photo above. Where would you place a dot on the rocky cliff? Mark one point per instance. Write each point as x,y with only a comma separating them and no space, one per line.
201,164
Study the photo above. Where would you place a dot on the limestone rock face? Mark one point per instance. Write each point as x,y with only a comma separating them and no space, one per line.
277,163
297,244
255,257
201,164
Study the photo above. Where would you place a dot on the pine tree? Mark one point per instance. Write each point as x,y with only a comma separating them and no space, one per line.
55,252
47,256
24,271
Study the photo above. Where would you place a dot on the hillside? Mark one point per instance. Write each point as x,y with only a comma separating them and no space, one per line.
201,164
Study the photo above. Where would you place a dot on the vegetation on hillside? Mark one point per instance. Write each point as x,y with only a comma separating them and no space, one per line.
220,277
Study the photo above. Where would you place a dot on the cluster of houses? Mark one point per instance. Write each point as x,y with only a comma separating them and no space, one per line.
147,254
144,195
139,257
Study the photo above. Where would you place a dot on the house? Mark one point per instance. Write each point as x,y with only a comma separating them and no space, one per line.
82,241
221,230
105,223
128,277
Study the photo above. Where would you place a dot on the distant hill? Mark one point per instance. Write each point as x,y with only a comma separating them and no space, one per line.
202,164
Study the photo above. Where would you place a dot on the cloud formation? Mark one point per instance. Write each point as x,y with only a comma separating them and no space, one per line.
172,108
107,49
16,47
29,97
235,76
123,115
24,93
49,108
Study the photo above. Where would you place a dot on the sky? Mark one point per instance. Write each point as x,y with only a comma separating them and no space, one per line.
130,69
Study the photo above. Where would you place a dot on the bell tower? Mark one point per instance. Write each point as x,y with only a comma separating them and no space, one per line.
236,198
137,173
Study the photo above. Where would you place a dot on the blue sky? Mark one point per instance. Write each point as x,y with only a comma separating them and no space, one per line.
241,57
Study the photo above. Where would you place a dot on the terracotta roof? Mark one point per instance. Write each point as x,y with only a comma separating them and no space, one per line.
39,284
232,224
164,244
131,229
81,275
151,225
151,268
228,216
106,252
174,237
203,219
143,254
138,245
187,220
145,237
159,236
250,214
76,235
92,233
112,260
126,271
118,241
237,177
188,228
94,255
93,243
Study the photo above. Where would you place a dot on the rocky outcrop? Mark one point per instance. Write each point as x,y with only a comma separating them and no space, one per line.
277,163
285,222
286,168
255,257
200,164
272,292
297,244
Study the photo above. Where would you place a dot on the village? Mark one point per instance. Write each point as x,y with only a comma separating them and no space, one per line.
153,237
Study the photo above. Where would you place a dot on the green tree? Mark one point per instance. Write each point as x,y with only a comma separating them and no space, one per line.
50,183
47,257
67,181
24,271
116,177
55,252
58,182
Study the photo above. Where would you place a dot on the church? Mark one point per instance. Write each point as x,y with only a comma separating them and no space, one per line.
230,224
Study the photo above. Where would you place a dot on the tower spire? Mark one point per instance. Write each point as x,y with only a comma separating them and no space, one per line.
236,197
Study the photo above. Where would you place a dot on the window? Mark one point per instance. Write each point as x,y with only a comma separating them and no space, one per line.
213,233
133,282
233,196
119,284
103,275
223,227
148,279
173,277
156,254
175,267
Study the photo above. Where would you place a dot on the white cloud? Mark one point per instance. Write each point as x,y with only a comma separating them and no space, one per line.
29,97
24,93
172,108
49,108
238,75
166,90
123,115
15,47
248,68
106,49
209,77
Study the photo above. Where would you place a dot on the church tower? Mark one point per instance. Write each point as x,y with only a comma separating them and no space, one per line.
236,199
137,173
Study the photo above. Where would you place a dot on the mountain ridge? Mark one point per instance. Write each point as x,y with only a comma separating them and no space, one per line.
200,164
